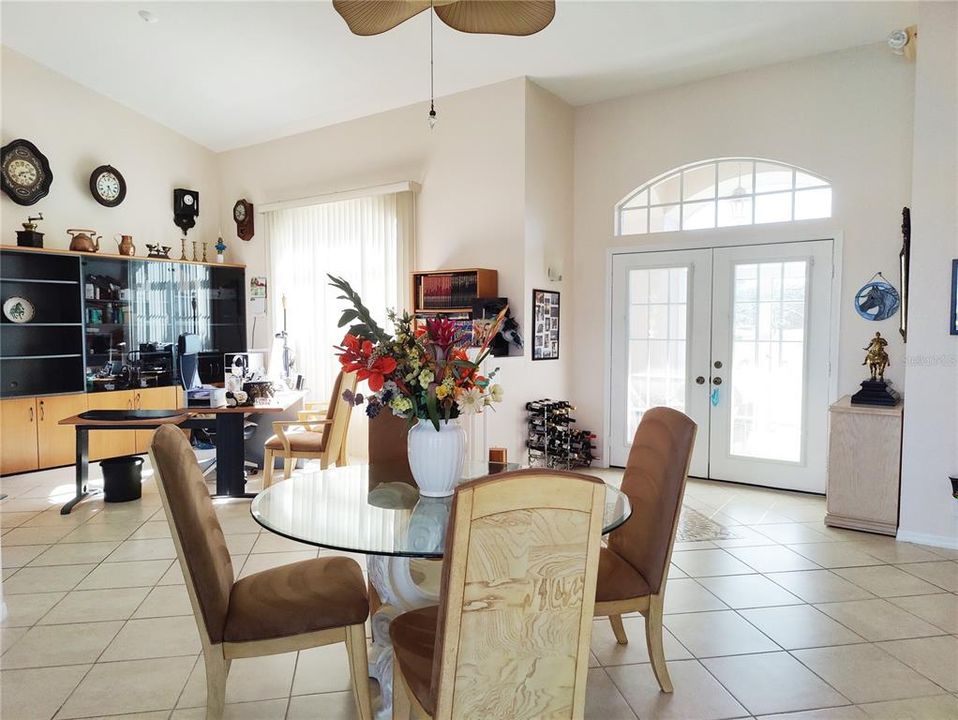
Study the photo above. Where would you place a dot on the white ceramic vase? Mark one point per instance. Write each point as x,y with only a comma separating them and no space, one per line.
436,457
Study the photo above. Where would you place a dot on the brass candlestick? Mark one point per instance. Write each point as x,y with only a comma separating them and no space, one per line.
194,251
204,251
183,248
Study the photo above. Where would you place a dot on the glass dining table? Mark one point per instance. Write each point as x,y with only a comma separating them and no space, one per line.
377,511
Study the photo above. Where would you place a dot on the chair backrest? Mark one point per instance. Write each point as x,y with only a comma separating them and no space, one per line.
337,413
518,593
654,480
200,545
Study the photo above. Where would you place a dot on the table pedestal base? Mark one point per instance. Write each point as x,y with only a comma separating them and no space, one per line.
402,584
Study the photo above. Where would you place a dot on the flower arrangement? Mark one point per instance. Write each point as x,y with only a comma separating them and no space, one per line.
419,373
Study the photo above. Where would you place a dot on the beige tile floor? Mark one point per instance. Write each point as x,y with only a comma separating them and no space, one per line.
787,619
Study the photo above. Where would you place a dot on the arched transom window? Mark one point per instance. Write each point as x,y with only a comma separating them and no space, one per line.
724,193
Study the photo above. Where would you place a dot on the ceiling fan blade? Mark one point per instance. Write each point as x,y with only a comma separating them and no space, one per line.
497,17
372,17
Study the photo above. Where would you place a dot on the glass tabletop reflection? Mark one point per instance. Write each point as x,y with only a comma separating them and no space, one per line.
377,510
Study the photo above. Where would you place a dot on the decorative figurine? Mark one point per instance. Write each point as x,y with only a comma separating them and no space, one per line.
875,390
29,237
220,249
876,358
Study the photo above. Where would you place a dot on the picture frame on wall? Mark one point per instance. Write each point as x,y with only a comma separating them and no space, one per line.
954,297
545,325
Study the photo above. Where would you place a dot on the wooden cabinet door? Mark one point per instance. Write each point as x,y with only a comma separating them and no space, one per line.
111,443
57,443
18,435
161,398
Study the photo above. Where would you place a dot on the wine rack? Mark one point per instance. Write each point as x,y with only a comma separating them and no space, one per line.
552,440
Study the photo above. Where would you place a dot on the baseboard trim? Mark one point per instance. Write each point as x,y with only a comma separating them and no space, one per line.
849,523
943,541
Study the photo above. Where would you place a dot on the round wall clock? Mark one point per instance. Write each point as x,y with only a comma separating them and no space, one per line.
243,216
107,186
24,172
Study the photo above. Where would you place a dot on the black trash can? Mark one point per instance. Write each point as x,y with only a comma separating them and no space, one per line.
121,478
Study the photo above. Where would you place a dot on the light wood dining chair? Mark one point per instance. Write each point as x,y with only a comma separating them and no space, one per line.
510,637
634,567
288,608
323,434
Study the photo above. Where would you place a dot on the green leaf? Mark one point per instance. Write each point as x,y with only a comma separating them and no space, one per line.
432,409
347,317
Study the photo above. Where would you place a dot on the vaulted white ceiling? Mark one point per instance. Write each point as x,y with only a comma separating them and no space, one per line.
228,74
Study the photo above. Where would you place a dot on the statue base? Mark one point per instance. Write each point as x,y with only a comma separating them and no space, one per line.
876,392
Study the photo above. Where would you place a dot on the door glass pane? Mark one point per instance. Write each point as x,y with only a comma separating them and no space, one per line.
735,211
735,178
658,314
811,204
665,191
776,207
634,221
771,176
698,216
699,183
766,384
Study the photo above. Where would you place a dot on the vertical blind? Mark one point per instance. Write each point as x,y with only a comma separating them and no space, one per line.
367,240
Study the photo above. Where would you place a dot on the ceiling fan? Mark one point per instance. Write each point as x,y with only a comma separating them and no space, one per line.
496,17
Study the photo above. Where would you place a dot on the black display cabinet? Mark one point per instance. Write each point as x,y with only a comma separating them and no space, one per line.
45,354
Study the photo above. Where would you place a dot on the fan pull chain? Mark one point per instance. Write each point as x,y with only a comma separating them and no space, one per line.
432,73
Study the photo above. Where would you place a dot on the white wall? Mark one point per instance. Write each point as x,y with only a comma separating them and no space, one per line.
79,130
930,445
470,211
846,116
549,133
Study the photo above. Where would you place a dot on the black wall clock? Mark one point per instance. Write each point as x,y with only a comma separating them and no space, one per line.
107,186
186,206
25,172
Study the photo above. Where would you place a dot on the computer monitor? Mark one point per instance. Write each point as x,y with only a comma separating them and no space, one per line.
187,351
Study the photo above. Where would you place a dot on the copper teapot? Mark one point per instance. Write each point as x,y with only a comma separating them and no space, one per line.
125,245
84,240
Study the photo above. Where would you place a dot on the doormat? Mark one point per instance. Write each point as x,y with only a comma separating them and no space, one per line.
696,527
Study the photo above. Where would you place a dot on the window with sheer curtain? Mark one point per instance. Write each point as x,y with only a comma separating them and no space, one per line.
367,240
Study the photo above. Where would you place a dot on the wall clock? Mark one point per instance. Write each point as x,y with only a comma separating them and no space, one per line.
25,172
186,206
107,186
243,215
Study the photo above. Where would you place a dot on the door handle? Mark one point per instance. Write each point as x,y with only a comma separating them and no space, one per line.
42,413
700,380
31,413
716,381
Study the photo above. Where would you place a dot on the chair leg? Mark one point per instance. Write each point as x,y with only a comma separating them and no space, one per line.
217,668
653,638
288,463
268,461
402,707
359,669
618,629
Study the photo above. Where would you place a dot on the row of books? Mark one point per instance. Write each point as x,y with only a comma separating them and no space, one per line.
450,290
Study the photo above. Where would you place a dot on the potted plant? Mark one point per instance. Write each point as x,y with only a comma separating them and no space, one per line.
423,374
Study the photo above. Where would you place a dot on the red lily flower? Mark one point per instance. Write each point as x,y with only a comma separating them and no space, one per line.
357,356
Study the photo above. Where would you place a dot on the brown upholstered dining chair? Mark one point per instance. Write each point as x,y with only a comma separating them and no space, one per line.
292,607
510,637
323,436
634,567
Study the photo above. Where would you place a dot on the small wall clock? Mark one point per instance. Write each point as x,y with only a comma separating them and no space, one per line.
107,186
24,172
243,215
186,206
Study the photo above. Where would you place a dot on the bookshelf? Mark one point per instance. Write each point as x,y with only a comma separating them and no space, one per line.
450,293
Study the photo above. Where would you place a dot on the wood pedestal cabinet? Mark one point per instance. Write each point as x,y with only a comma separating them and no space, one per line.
864,467
31,437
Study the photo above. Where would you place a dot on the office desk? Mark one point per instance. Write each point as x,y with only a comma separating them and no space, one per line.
226,422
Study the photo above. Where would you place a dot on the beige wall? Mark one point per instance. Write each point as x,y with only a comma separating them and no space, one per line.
846,116
470,210
79,130
930,445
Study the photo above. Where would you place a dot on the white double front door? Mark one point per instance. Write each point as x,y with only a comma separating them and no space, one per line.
738,338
